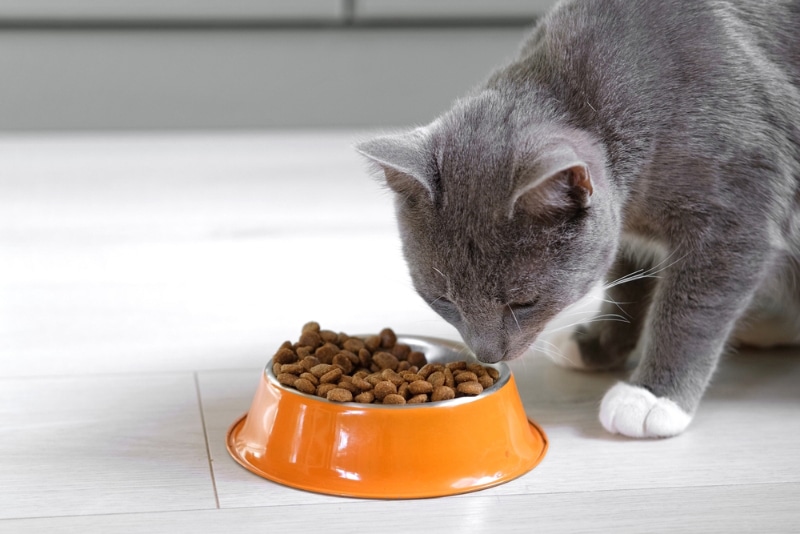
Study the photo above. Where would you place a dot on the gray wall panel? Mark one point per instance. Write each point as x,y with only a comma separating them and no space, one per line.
166,10
181,79
367,10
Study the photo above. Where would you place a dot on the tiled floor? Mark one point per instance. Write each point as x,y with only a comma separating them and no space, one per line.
145,280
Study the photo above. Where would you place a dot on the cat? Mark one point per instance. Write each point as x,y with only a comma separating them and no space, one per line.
650,146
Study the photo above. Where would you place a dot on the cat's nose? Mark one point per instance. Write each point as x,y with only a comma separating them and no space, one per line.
488,350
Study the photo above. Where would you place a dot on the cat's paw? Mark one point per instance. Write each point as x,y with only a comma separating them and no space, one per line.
637,413
564,350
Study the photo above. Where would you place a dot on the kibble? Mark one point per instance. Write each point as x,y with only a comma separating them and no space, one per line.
394,398
470,388
376,369
442,393
331,376
339,395
305,385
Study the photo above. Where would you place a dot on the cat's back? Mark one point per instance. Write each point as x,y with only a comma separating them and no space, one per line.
706,31
634,71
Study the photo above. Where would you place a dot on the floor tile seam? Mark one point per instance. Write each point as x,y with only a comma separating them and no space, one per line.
205,438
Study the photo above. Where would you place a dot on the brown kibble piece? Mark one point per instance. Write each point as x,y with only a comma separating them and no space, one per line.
403,366
436,379
285,356
384,388
276,368
392,377
372,343
309,338
442,393
418,399
329,336
362,384
311,378
394,398
456,366
287,379
294,368
402,390
416,358
486,381
470,388
494,373
385,360
449,379
365,358
374,378
349,386
321,369
323,389
303,352
426,370
326,352
343,362
465,376
388,338
420,386
331,376
408,376
339,395
366,397
476,368
353,345
353,357
311,326
309,361
401,351
304,385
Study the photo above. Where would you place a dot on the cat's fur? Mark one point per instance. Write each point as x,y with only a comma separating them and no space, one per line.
661,135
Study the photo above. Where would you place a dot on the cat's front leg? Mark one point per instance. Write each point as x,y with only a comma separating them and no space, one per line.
694,309
605,342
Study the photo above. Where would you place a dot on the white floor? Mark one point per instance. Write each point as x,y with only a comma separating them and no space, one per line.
144,282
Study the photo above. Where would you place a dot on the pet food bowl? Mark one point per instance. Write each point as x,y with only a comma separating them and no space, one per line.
389,452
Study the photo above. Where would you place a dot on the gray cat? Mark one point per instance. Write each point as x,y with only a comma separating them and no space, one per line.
653,145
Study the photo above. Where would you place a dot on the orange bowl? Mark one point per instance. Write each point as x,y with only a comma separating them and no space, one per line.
389,452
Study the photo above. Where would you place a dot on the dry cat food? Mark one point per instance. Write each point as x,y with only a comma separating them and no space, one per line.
376,369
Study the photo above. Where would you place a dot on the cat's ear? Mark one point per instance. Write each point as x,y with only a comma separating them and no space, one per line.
558,180
406,160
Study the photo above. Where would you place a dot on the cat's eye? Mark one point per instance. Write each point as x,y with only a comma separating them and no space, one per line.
523,308
442,303
445,308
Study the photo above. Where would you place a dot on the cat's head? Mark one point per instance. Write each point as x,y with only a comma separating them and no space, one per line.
505,220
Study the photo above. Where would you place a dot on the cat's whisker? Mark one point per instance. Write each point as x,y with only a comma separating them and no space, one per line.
514,315
549,349
652,272
437,299
596,319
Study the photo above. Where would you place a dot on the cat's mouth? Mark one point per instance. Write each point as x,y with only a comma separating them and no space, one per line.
499,354
499,350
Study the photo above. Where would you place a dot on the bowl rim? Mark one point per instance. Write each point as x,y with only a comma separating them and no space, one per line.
454,346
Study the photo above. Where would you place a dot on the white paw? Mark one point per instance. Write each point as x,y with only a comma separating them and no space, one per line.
637,413
562,349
